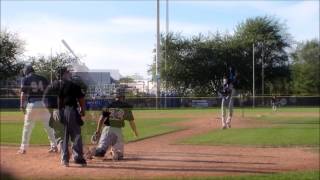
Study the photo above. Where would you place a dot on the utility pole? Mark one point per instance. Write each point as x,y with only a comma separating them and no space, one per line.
166,47
262,73
51,68
158,54
253,79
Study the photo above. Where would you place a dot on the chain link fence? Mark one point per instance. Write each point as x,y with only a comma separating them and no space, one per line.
187,102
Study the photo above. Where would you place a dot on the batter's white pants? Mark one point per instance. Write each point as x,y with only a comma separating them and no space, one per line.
227,108
36,111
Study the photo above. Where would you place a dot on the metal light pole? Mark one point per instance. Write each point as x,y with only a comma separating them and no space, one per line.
262,74
253,79
51,73
158,53
166,47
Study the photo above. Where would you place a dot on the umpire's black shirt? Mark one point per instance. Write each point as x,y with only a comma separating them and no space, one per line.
69,94
51,94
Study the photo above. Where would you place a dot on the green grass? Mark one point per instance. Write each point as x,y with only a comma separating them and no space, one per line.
303,175
151,127
237,110
202,110
307,175
11,131
264,137
284,132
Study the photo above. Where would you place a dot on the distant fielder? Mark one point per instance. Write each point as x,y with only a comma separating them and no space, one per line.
227,93
32,89
274,103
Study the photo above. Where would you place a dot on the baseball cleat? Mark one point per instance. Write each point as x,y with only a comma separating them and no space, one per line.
21,151
224,127
90,153
116,156
53,149
81,162
229,125
65,163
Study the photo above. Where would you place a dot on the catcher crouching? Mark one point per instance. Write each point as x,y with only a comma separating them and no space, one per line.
112,117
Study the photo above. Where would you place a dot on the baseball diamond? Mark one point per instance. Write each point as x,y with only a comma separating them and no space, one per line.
160,89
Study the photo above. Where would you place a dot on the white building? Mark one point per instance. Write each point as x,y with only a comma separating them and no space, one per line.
100,82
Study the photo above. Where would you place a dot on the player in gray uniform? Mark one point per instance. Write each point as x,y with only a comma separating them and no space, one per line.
32,88
71,99
113,118
227,92
274,103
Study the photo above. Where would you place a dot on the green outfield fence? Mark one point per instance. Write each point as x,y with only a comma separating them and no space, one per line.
181,102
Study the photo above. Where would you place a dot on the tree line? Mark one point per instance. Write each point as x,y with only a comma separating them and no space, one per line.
195,66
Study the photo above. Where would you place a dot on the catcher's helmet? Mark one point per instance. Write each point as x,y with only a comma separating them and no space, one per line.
120,92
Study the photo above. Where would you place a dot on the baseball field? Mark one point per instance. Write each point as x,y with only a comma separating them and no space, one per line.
181,144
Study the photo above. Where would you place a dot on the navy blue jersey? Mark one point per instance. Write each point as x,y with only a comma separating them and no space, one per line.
33,86
231,76
225,91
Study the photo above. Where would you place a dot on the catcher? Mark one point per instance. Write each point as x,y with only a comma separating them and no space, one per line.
113,118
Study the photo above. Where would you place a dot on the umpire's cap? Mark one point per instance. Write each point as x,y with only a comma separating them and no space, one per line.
27,69
61,71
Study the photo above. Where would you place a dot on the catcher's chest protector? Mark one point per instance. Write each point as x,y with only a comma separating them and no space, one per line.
116,117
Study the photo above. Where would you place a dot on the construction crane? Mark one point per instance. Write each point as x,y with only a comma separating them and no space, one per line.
70,50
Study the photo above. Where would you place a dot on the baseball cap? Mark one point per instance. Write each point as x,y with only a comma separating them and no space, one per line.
27,69
62,70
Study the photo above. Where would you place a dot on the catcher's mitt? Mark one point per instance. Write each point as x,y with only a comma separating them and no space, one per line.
95,138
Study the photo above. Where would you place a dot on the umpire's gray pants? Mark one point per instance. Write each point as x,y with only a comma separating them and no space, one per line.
72,130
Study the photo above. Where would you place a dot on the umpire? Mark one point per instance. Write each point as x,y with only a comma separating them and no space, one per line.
51,100
70,96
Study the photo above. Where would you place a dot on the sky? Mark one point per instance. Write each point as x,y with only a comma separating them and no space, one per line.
122,34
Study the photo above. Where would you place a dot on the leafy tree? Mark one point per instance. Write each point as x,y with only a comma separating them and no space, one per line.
270,39
45,65
12,49
305,68
126,80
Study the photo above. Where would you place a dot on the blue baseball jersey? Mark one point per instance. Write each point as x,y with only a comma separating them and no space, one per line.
231,76
225,91
33,86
